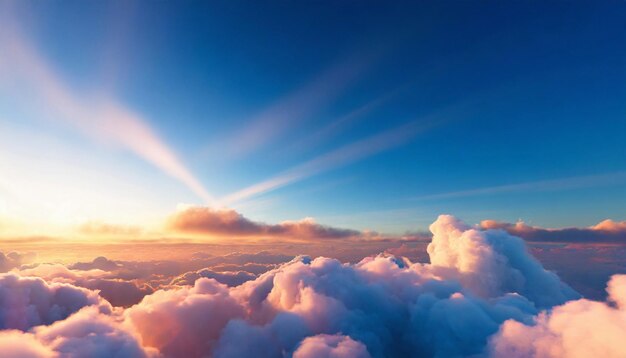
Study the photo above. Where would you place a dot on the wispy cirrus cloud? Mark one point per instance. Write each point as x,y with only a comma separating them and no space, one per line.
344,121
297,106
344,155
541,185
99,117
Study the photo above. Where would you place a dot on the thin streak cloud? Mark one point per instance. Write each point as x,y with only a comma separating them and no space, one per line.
297,106
343,122
102,118
542,185
336,158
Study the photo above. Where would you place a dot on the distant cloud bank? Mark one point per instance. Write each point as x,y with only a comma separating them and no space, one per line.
206,220
607,231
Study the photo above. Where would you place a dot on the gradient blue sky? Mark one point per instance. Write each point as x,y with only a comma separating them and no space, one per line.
359,114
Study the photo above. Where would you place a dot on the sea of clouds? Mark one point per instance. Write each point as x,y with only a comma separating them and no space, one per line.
481,294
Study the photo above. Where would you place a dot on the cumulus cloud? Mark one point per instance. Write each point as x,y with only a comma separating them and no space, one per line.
607,231
330,346
124,283
87,333
26,302
577,329
205,220
229,278
53,319
18,344
185,322
117,291
491,261
15,259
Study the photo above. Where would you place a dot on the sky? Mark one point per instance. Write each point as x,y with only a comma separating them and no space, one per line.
312,179
364,116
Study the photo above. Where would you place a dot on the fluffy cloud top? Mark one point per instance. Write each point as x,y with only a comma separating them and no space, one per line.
186,322
205,220
577,329
14,259
87,333
492,262
330,346
26,302
605,231
117,291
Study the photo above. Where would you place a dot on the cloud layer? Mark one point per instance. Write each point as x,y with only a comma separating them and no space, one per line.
481,294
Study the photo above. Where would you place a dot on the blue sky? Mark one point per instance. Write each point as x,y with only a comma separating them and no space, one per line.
364,115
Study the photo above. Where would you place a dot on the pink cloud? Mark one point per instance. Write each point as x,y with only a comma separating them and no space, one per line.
28,301
116,291
580,328
14,343
330,346
185,322
610,226
86,333
15,259
605,231
205,220
98,228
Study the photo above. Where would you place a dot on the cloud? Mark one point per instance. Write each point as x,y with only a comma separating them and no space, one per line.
102,118
87,333
477,280
607,231
185,322
491,261
116,291
341,156
481,294
15,259
124,283
611,226
342,123
97,228
18,344
99,263
205,220
330,346
535,186
248,267
297,106
26,302
229,278
580,328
